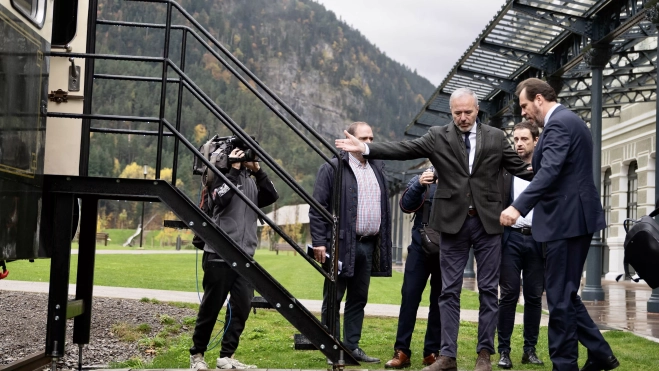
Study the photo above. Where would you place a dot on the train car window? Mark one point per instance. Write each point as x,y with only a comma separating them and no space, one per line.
65,21
34,10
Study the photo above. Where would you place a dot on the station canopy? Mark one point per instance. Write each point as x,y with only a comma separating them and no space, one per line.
557,41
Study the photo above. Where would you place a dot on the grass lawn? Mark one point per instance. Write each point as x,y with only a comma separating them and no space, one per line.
268,342
179,272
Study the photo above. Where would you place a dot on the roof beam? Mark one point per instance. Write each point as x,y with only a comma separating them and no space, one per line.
578,25
628,24
531,59
500,83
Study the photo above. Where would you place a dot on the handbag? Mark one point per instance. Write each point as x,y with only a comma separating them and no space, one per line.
429,236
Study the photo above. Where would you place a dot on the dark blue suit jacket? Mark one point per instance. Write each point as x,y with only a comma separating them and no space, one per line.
563,192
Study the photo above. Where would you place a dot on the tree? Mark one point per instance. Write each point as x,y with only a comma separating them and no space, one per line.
122,218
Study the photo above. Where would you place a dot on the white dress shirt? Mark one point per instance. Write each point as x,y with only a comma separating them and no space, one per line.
519,185
472,144
551,110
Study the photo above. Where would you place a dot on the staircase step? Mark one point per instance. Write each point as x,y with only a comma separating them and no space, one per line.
177,224
260,302
302,343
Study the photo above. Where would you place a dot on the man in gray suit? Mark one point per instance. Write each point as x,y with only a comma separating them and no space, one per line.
465,209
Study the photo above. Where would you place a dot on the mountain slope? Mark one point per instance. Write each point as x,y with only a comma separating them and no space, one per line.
326,71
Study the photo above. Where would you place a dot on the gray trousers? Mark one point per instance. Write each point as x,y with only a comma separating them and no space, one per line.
356,297
454,252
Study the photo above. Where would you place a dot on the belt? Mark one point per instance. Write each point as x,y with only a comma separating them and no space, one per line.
472,212
370,238
524,230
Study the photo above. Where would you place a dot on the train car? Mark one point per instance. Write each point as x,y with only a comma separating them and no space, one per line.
25,31
31,84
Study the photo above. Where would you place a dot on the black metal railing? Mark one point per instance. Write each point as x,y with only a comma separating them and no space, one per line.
166,128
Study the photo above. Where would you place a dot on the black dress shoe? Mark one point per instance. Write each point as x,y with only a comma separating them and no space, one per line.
504,360
531,358
606,364
360,356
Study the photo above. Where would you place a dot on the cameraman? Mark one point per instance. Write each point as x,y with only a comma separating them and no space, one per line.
238,221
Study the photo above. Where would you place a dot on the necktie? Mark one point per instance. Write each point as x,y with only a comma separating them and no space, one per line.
467,143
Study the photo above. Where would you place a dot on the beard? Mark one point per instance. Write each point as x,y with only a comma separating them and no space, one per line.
535,116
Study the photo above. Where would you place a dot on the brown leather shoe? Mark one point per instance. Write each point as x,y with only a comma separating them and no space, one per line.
483,362
443,363
400,360
429,360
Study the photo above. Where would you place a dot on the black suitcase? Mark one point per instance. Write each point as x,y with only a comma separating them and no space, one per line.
642,248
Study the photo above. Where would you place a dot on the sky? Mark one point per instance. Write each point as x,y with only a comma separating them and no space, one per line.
427,35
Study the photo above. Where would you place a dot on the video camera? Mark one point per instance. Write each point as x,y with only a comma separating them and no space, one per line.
217,151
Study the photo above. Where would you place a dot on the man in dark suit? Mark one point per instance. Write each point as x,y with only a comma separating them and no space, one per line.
566,213
467,157
520,255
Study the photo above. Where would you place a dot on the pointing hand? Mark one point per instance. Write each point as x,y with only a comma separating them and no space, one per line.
351,144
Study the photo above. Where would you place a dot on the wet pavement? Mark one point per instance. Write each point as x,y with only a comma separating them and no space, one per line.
624,307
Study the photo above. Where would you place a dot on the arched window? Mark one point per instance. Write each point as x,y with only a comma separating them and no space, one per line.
65,22
632,191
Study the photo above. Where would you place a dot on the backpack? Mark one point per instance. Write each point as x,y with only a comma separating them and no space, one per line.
205,207
642,249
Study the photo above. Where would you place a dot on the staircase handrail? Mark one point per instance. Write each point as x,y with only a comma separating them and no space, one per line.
251,75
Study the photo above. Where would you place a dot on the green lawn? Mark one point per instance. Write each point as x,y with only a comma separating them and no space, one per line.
268,343
179,272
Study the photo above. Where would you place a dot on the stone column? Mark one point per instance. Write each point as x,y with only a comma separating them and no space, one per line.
618,214
652,15
646,189
596,58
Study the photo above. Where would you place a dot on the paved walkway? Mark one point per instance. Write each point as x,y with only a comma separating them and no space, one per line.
383,310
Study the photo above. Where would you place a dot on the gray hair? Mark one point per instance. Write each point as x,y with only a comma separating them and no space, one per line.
460,92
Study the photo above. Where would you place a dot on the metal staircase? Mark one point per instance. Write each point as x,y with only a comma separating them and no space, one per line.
60,192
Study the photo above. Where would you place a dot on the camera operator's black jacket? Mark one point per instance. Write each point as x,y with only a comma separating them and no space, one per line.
412,201
321,231
232,214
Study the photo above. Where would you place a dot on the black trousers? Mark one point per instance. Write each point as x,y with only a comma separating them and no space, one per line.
520,254
418,267
219,281
356,297
453,255
569,320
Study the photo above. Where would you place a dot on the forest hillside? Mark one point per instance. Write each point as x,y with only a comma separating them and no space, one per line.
325,70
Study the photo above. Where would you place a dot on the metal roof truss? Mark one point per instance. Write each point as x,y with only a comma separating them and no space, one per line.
549,39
